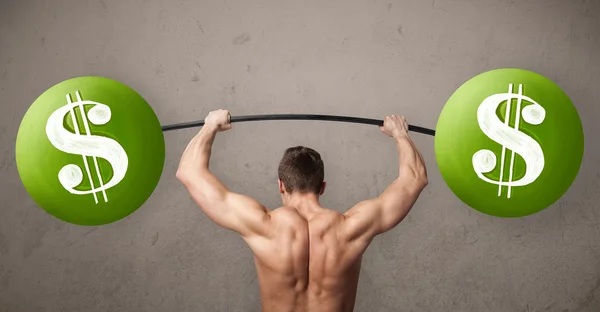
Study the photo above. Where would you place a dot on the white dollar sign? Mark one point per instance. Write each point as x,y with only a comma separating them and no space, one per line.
510,138
86,145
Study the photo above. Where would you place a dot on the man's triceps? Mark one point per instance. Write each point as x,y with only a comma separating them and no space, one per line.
361,220
249,217
376,216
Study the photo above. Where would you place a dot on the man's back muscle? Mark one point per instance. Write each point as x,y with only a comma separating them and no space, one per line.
334,263
307,265
281,260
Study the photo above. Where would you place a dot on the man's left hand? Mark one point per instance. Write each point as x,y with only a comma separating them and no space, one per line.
218,119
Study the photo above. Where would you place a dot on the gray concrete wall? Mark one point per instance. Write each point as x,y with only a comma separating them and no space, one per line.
361,58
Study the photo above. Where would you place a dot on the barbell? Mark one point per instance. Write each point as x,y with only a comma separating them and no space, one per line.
508,143
233,119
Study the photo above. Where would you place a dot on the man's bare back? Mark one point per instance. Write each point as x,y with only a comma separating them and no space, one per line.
308,264
307,257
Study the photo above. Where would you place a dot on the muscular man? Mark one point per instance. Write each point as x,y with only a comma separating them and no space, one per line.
307,257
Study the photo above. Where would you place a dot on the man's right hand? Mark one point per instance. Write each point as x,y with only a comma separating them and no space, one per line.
395,126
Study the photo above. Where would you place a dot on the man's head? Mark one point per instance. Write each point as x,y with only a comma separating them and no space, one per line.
301,172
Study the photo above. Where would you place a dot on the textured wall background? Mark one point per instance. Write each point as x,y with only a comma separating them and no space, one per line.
366,58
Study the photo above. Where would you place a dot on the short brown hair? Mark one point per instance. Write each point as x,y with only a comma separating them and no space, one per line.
301,170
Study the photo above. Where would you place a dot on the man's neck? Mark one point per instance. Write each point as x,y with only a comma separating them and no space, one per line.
306,204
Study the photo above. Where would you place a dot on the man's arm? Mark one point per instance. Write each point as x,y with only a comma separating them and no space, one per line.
236,212
378,215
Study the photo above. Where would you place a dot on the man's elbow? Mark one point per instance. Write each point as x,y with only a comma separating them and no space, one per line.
423,181
180,175
420,181
183,176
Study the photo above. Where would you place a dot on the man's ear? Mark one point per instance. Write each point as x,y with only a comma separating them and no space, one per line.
323,188
281,187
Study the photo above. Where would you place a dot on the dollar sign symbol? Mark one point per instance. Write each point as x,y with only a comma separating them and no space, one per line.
510,138
86,145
